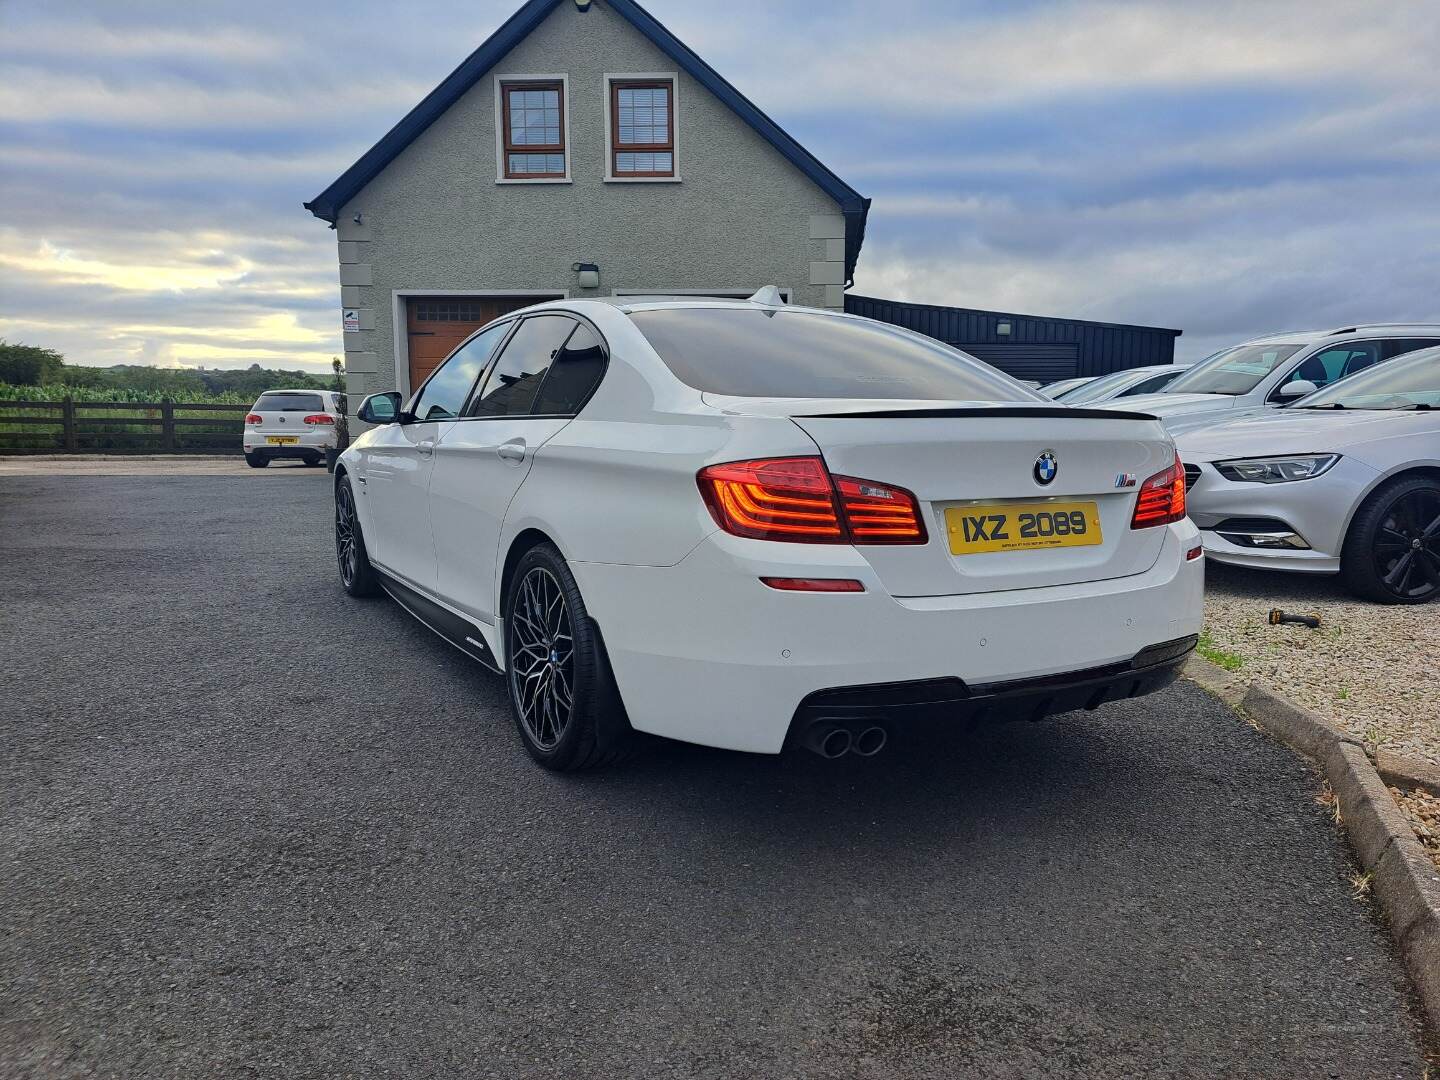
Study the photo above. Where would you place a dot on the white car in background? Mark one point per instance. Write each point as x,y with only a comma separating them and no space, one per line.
294,424
750,526
1055,389
1269,372
1346,481
1151,379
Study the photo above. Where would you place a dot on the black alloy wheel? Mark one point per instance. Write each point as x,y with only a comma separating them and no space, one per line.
1392,554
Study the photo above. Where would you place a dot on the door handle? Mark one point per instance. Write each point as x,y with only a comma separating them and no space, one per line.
512,451
425,447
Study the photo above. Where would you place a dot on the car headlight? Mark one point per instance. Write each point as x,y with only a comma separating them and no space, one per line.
1276,470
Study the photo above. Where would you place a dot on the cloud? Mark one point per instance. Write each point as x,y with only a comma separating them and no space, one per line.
1226,168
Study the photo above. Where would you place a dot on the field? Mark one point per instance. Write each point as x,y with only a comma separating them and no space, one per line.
49,418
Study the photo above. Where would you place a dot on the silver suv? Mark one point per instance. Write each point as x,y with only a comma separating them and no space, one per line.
1247,379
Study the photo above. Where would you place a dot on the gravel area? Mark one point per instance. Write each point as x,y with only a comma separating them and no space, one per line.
1423,810
1371,669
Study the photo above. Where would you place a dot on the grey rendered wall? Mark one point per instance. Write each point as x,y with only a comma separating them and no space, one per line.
436,219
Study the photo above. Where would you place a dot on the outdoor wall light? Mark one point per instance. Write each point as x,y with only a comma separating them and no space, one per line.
1003,329
589,275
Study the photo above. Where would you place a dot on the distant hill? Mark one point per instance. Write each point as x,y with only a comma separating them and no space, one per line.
29,365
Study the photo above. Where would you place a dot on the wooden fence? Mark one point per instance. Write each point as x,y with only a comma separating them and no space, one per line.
30,427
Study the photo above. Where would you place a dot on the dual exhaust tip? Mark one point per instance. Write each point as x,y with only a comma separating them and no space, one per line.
833,739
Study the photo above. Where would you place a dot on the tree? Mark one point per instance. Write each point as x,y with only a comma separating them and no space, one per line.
29,365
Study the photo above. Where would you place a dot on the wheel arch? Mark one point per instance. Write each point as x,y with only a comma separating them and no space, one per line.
1400,472
524,541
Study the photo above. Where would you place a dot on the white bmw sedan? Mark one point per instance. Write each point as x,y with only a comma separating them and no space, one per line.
1345,481
752,526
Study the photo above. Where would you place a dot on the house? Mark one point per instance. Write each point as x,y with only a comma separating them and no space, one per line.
583,150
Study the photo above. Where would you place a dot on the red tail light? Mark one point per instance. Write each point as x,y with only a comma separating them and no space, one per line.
796,499
253,418
1161,499
319,418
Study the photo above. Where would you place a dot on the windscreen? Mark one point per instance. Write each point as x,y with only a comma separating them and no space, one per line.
1411,382
282,401
749,352
1097,389
1235,371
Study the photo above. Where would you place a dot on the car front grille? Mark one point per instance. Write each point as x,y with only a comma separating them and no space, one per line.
1192,473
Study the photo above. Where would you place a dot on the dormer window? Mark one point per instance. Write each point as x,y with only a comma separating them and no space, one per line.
533,129
642,128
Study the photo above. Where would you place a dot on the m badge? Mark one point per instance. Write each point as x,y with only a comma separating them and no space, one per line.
1125,480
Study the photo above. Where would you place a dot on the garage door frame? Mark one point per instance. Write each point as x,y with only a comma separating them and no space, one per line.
399,319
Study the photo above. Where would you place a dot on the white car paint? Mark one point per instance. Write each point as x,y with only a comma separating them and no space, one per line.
701,650
265,424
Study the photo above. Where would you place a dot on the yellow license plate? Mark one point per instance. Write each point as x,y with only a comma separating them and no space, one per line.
282,440
987,527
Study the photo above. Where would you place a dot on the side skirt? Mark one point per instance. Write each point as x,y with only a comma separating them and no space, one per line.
455,629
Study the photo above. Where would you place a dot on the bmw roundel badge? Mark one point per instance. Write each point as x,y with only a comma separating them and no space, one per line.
1046,467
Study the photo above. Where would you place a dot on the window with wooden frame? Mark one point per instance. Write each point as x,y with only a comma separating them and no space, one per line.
533,120
642,128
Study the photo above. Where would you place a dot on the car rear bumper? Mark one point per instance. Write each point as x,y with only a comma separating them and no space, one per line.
311,442
706,653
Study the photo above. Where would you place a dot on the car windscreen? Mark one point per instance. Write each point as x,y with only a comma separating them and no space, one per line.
1098,389
1235,371
751,352
1410,382
286,402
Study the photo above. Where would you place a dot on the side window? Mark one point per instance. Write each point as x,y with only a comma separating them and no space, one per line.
514,380
573,376
1150,385
445,393
1334,363
1400,346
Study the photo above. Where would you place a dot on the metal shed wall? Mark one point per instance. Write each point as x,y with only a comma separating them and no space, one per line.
1099,347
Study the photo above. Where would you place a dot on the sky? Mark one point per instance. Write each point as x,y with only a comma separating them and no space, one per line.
1225,168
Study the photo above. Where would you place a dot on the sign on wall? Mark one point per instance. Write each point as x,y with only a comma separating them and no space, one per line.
352,320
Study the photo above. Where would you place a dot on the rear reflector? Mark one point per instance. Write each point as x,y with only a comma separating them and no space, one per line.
320,418
1161,499
796,499
253,418
1194,553
797,584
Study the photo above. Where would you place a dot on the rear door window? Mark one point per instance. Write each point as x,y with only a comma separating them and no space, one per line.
1400,346
514,381
289,402
574,374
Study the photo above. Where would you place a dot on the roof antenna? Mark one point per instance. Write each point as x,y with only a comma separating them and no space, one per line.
769,296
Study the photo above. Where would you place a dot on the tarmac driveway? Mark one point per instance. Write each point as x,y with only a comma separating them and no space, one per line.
249,826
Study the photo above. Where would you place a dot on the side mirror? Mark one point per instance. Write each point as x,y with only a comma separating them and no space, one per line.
380,408
1297,388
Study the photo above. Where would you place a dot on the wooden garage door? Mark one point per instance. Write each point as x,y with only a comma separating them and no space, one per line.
436,324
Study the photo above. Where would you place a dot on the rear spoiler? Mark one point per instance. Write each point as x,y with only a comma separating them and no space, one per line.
1003,411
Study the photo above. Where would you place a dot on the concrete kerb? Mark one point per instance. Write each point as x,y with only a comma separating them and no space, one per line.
1402,877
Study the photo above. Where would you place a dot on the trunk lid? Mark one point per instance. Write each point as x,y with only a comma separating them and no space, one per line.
959,459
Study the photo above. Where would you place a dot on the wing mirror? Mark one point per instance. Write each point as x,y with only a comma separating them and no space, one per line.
1297,388
380,408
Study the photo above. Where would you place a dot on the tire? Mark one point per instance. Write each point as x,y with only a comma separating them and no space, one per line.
544,609
256,461
1392,551
357,576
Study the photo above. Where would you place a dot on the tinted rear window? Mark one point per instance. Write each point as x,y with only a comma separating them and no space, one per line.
290,403
746,352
